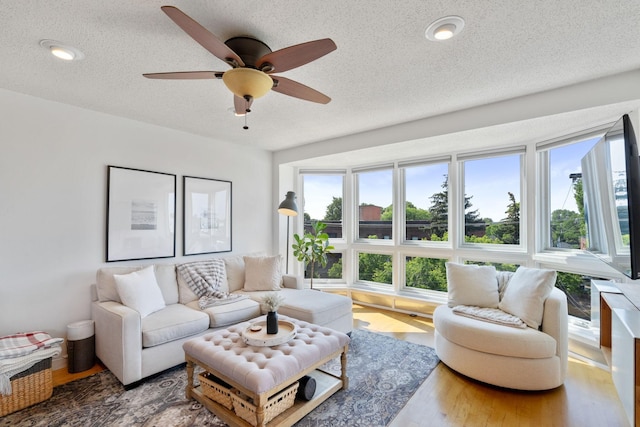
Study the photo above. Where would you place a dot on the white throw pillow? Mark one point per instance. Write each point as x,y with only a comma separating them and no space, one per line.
140,291
262,273
472,285
526,293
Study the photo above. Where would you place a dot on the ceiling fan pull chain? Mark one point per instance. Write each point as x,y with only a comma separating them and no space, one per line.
247,110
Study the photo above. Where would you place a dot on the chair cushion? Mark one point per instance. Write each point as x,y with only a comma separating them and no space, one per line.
526,293
173,322
492,338
472,285
228,314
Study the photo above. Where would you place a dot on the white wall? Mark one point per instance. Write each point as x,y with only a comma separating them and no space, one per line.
53,169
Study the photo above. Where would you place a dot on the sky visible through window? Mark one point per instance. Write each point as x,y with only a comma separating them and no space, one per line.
485,181
376,188
563,161
488,182
319,193
422,182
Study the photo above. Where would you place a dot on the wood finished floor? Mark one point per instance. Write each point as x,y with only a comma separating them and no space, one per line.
446,398
588,397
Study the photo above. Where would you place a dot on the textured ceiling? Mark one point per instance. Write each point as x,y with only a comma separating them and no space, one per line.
384,71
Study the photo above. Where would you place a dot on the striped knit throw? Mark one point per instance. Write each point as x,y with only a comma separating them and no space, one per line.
205,279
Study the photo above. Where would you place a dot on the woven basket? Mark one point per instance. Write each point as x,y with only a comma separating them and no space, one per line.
275,405
28,387
215,389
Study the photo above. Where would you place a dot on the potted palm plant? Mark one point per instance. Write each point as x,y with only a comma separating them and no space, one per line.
312,247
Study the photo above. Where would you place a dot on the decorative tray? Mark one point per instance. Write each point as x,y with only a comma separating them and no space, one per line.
256,334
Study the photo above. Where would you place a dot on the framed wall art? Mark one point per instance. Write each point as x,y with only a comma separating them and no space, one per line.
207,215
141,220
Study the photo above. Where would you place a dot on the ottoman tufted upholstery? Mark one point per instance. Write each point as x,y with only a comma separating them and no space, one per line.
262,368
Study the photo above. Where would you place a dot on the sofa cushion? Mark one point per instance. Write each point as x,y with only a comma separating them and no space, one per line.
165,276
173,322
139,290
262,273
106,284
235,272
526,293
186,295
492,338
472,285
309,305
228,314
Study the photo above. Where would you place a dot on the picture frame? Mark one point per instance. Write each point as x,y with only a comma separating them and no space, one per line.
207,220
141,220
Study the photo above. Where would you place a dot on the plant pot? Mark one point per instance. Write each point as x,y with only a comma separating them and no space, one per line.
272,322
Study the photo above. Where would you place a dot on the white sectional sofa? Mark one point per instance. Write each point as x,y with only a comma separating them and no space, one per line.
133,346
531,357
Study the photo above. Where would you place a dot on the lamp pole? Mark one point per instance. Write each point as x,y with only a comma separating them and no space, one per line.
288,207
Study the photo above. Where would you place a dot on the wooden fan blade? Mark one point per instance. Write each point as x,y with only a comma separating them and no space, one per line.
241,105
202,35
297,55
298,90
186,75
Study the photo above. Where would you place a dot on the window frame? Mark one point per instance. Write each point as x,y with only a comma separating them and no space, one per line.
543,193
355,173
460,199
534,222
402,214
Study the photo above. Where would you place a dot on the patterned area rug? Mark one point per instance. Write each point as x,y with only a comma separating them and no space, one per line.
383,374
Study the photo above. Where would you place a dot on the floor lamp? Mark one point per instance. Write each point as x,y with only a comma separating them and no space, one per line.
289,208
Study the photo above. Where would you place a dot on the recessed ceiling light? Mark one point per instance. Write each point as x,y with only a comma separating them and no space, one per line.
62,51
444,28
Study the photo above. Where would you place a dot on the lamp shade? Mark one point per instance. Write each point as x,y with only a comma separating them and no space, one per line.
247,82
288,206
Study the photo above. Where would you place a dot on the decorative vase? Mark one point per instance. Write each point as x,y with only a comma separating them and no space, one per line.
272,322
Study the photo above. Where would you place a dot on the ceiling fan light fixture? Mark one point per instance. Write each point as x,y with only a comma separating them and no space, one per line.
61,51
247,82
444,28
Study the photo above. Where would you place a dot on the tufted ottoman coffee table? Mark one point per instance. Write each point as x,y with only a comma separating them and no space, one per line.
258,379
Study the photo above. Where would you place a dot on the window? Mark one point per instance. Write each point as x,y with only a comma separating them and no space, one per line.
426,273
577,287
323,201
492,200
498,265
375,268
375,207
333,269
411,197
567,227
426,202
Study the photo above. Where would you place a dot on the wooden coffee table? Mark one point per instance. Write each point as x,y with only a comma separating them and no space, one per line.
222,352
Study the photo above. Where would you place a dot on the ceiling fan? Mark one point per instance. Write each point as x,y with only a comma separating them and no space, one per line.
253,64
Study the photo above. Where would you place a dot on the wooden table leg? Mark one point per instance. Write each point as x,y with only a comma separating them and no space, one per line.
261,402
343,363
190,366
